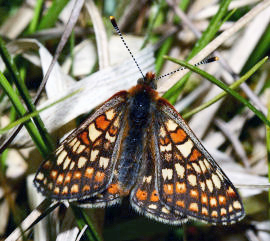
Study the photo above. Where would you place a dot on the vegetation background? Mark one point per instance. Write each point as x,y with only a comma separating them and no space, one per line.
91,64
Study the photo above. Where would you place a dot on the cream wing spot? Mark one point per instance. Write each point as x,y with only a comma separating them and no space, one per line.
207,164
147,179
75,146
185,148
93,155
110,138
72,143
80,149
61,157
202,184
103,162
66,163
202,166
166,148
162,132
209,185
40,176
72,165
81,162
192,180
180,170
93,132
152,206
167,173
236,205
110,114
171,125
216,181
196,167
165,210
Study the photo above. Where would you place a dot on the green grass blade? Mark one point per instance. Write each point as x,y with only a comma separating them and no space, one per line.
28,117
82,219
53,12
213,27
25,95
31,128
233,86
224,87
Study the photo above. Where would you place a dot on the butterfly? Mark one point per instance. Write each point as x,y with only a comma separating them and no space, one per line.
136,144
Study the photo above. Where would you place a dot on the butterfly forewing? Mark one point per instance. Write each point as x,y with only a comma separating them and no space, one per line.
188,178
83,164
144,196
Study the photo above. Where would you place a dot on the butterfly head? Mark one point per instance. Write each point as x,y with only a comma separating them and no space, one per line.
149,80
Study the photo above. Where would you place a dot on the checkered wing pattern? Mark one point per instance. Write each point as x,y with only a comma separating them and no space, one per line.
188,179
83,164
145,198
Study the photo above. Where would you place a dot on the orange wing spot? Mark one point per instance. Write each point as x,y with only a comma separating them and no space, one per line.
164,141
168,189
99,176
113,130
65,190
68,177
77,175
231,192
74,188
193,207
169,200
222,200
195,155
60,178
177,156
56,190
86,188
141,195
181,187
102,123
47,165
89,172
113,189
189,167
194,193
204,211
204,199
154,196
214,214
84,138
213,202
97,143
180,203
54,174
178,136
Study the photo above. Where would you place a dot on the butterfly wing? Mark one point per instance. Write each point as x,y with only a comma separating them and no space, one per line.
144,197
83,164
189,179
110,196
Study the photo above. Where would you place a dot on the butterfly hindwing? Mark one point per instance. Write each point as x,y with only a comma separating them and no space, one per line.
144,197
83,164
189,180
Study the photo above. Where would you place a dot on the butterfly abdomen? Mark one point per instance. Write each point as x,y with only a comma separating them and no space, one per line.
139,112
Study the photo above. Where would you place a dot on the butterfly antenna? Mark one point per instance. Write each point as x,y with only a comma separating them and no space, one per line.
113,21
205,61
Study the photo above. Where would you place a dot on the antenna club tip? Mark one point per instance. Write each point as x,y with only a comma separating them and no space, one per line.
113,21
216,58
